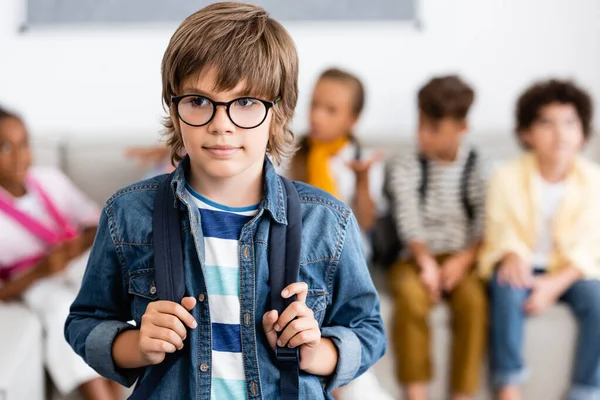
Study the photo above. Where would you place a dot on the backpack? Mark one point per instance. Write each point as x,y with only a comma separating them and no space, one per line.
387,245
284,264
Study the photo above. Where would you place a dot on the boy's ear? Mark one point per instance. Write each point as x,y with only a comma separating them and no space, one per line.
462,126
354,121
525,137
174,119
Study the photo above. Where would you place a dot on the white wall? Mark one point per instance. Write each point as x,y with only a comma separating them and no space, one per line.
85,81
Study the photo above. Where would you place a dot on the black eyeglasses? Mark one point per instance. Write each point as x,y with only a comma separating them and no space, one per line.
244,112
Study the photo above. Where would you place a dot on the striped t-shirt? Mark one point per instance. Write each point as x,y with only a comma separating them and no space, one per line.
222,227
441,222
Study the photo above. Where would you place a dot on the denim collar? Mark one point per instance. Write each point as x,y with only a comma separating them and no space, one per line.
273,200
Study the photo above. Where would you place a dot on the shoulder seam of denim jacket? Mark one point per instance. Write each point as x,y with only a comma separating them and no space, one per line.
339,207
132,188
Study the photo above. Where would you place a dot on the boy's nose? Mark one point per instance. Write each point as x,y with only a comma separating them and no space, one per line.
221,124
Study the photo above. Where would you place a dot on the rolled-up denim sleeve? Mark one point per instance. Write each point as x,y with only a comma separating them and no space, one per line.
353,321
102,308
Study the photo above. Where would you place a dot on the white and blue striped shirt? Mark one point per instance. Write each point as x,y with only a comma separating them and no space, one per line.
222,227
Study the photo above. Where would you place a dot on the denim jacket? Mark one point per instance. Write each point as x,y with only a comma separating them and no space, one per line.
119,284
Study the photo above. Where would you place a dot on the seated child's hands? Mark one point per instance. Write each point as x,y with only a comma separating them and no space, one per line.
162,330
545,293
303,331
55,262
515,272
75,247
430,276
454,269
361,167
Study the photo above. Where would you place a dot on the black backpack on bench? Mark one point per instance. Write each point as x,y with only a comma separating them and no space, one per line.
387,246
284,264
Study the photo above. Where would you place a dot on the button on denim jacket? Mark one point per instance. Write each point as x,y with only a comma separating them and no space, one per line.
119,284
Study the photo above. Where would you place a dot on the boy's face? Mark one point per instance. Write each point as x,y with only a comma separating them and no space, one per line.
220,149
331,114
556,136
440,139
15,153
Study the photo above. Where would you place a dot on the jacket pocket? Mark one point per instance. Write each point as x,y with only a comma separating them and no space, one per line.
142,288
316,300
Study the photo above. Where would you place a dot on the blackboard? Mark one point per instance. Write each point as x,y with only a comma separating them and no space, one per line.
111,12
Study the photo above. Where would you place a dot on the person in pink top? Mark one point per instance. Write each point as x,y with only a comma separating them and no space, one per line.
46,228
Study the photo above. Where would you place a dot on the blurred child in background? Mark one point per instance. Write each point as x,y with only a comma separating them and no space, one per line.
46,228
542,236
331,158
437,195
157,157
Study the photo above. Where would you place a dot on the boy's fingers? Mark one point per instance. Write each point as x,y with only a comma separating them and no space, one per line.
448,283
510,278
296,326
296,309
169,307
434,292
188,303
167,335
521,278
170,322
304,337
529,305
501,275
300,289
269,319
517,277
151,345
447,279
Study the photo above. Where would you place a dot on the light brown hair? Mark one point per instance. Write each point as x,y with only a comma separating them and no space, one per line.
244,45
358,101
446,96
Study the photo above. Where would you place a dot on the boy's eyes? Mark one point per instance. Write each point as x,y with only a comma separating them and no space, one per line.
544,122
6,147
549,122
245,102
199,101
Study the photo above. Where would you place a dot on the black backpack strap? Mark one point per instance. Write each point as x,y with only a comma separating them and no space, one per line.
168,273
168,250
464,185
284,265
424,164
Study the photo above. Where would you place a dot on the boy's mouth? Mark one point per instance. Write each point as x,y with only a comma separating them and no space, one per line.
222,151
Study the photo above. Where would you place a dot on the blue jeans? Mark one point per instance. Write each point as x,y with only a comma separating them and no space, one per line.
507,327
